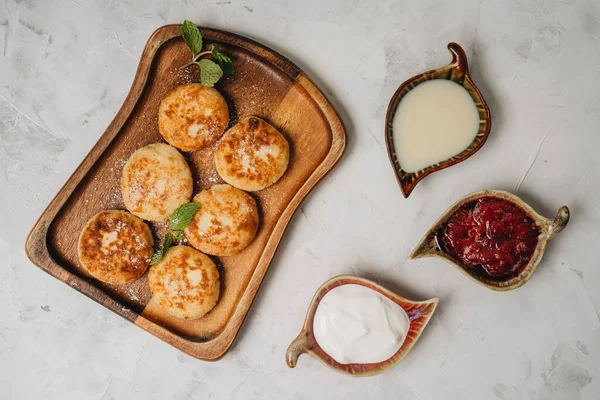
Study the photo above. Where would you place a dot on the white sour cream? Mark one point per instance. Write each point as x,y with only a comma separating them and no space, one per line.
435,121
355,324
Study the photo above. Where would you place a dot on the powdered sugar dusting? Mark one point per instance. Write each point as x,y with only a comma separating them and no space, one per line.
249,92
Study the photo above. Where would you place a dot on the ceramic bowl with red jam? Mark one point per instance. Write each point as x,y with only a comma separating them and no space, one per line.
493,237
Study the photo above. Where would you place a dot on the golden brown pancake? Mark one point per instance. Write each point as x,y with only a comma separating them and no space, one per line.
252,155
115,247
185,283
225,223
155,181
192,116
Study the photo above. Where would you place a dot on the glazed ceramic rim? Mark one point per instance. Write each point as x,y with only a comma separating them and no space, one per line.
407,181
548,229
306,342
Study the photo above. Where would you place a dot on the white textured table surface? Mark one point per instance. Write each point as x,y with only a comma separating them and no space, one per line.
65,69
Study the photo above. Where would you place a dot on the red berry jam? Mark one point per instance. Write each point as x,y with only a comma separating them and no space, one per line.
491,236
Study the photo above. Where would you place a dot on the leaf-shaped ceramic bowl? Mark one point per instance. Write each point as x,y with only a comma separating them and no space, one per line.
548,228
419,313
457,71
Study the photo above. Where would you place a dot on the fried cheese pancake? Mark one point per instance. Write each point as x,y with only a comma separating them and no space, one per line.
192,116
115,247
155,181
186,283
252,155
226,222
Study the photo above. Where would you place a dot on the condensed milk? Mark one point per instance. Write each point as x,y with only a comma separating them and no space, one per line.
435,121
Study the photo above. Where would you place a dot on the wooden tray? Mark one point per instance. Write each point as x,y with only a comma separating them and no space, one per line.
266,85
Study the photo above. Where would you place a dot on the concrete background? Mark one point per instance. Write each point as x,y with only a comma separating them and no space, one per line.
65,69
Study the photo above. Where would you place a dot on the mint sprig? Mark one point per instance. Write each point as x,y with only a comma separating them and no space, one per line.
182,216
192,36
210,71
223,60
178,221
160,253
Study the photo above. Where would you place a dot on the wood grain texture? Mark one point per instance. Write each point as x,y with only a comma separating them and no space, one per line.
266,85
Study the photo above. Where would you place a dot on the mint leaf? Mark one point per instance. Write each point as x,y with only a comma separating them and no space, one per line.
178,221
223,60
183,215
215,50
228,68
192,36
210,72
158,256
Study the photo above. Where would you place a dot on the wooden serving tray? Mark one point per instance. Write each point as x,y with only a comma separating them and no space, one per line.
266,85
